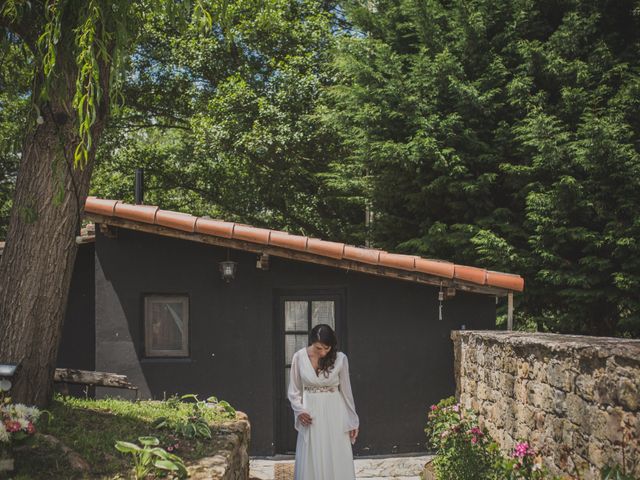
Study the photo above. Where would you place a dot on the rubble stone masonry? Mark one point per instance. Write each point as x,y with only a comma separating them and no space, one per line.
231,462
575,398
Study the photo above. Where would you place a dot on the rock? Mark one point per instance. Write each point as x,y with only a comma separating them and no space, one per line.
628,395
76,462
429,473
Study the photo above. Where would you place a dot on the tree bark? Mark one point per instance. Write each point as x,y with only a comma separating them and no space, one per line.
40,251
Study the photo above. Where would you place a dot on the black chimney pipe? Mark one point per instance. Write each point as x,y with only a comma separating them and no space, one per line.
139,189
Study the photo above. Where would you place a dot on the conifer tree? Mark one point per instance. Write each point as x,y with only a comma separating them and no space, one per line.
503,134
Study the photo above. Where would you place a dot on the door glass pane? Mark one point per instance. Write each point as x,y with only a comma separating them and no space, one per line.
323,312
295,315
292,344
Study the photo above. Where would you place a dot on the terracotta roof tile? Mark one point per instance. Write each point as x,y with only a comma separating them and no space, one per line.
505,280
340,251
251,234
395,260
325,248
365,255
470,274
139,213
179,221
283,239
217,228
435,267
101,206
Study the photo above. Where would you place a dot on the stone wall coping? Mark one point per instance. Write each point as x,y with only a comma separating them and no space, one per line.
607,346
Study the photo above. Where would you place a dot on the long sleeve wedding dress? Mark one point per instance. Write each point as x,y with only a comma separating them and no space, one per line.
323,449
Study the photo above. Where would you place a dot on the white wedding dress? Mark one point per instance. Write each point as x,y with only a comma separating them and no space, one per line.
323,449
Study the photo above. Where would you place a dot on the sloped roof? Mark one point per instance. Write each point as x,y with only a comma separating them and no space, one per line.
278,243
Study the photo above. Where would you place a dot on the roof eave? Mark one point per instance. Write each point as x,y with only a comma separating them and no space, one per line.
344,264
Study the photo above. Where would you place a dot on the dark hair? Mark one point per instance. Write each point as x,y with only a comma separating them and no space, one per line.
324,334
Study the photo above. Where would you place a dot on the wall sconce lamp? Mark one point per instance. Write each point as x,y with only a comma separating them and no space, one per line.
228,269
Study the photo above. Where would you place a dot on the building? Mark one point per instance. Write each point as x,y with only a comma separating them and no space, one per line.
149,300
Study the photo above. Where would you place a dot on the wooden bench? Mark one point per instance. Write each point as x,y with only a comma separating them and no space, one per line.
95,379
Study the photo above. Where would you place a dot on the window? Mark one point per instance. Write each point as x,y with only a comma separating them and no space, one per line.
166,326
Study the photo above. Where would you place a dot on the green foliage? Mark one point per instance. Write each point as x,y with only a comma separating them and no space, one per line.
16,63
88,91
464,450
97,36
502,134
494,133
227,126
92,427
97,44
196,423
616,473
150,459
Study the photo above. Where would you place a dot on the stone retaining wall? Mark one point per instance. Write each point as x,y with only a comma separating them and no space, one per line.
232,460
576,399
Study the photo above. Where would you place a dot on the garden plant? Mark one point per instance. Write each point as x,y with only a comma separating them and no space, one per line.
465,451
17,423
150,459
196,424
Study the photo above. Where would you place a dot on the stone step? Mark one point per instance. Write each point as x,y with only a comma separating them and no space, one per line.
391,468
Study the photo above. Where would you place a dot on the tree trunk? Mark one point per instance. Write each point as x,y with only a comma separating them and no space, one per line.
40,251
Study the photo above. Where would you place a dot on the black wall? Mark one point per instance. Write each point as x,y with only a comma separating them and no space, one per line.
400,353
77,348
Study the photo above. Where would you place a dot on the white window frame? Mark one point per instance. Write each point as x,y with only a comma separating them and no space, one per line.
153,299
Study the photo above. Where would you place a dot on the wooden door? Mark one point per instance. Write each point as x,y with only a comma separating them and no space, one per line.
297,315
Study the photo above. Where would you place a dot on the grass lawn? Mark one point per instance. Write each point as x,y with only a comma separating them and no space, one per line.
91,428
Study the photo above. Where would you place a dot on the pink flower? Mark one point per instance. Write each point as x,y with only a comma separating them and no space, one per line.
31,429
12,426
522,450
476,431
456,408
434,408
169,448
474,440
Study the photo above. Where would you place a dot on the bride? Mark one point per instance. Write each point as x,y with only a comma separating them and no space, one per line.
325,414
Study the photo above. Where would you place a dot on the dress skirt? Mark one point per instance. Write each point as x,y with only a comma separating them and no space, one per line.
323,449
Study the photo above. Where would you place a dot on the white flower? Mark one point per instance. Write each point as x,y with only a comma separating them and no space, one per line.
34,414
24,423
28,413
4,435
20,409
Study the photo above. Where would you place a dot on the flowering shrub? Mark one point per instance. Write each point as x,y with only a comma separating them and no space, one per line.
464,450
17,422
524,463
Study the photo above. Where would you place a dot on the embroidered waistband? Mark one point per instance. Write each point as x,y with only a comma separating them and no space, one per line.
321,389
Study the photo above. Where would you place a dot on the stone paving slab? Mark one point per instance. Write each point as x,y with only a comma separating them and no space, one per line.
388,468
